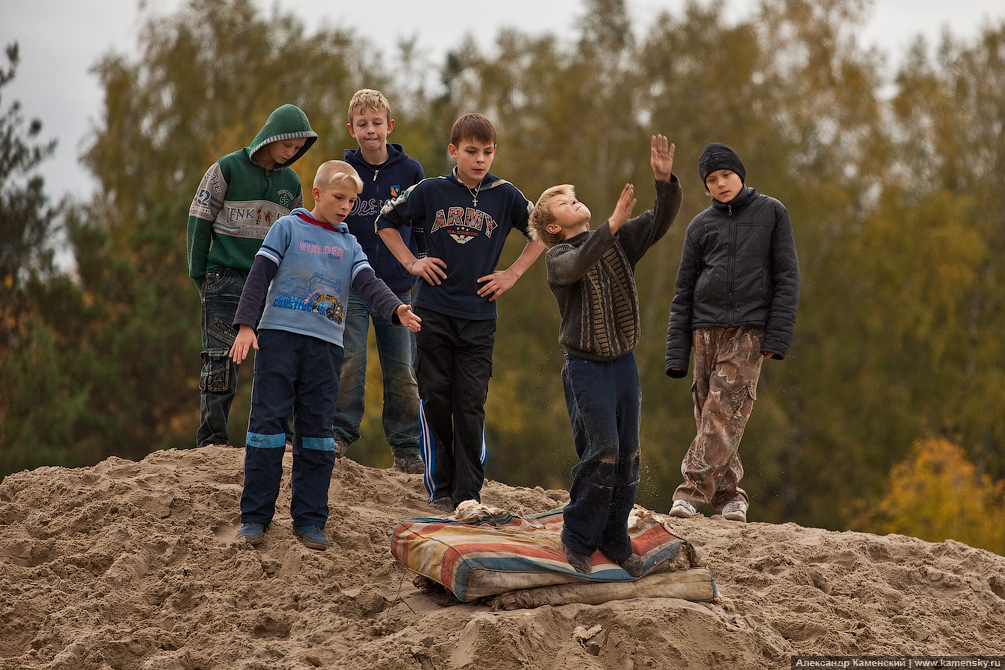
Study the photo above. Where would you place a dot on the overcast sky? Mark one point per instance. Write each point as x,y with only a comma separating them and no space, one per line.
61,39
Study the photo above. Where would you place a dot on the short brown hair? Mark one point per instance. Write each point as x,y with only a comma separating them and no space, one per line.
542,217
368,98
331,173
472,127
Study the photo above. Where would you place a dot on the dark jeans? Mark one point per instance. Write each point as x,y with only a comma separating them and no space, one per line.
453,365
395,348
299,373
605,406
220,294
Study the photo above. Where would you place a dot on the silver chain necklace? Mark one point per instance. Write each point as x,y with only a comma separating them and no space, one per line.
474,192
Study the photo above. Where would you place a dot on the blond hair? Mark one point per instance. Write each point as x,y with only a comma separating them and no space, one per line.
332,173
542,215
368,98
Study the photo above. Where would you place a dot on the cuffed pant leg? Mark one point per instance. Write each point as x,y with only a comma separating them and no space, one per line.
314,445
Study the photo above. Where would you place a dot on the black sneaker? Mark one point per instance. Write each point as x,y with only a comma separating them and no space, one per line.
312,537
252,533
444,504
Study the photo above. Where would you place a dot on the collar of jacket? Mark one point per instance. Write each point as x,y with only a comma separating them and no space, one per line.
742,199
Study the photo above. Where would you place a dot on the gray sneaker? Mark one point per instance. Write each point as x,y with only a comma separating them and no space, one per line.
682,509
410,465
735,511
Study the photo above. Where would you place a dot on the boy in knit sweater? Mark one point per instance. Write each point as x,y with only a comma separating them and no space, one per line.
592,275
238,200
302,274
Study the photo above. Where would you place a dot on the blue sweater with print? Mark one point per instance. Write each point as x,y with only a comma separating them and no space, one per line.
307,267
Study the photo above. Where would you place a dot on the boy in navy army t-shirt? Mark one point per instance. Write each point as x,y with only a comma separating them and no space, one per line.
465,217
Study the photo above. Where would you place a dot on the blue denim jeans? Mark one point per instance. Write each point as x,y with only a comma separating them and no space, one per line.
295,373
396,350
605,406
220,294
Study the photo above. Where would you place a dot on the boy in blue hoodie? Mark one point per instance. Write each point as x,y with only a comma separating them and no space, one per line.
240,197
465,218
386,171
302,274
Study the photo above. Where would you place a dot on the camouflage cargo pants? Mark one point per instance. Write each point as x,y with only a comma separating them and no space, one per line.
727,364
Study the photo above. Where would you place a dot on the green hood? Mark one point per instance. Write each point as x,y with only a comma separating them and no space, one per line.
286,123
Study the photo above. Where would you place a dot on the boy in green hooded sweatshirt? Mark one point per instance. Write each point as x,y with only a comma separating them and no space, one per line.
240,197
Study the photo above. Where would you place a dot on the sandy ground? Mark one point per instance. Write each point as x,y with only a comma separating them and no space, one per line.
134,565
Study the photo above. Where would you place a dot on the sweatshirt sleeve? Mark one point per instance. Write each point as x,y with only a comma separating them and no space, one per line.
639,234
785,283
376,293
567,264
256,287
398,213
206,204
678,352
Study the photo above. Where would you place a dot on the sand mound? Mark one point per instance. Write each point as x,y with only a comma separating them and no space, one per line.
134,565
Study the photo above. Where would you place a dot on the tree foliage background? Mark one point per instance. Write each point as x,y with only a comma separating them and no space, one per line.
893,181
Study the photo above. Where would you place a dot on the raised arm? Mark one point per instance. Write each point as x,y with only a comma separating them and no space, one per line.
661,157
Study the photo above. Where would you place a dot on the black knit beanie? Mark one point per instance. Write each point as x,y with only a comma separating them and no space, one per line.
719,157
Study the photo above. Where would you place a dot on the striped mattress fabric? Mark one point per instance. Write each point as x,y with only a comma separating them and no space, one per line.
505,553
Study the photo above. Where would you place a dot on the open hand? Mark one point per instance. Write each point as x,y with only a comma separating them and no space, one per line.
626,203
661,157
408,318
245,341
495,284
433,270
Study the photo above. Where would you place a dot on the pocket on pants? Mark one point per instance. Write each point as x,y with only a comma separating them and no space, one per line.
215,376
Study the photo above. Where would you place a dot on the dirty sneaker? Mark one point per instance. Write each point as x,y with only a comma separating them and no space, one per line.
683,509
579,562
410,464
340,448
444,504
735,511
633,565
312,537
251,533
